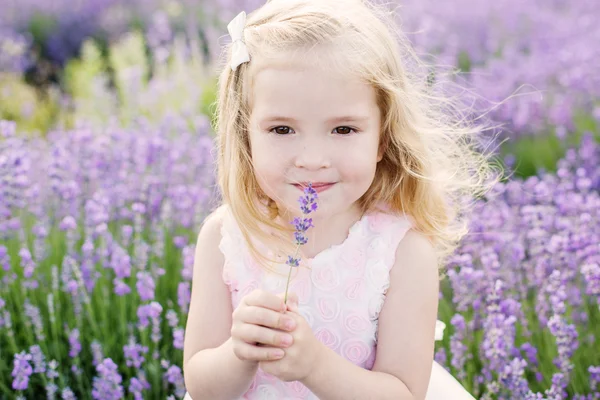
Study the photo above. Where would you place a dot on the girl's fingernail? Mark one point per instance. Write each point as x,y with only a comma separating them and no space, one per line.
286,340
278,354
289,325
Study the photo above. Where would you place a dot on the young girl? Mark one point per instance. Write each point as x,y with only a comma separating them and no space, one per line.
321,92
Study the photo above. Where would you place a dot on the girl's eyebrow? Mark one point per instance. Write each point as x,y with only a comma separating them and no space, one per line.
348,118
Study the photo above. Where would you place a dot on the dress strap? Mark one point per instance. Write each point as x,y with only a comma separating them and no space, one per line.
384,232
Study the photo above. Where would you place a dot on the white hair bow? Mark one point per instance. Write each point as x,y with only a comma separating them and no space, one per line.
239,53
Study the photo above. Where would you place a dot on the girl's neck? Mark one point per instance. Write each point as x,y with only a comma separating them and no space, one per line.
329,230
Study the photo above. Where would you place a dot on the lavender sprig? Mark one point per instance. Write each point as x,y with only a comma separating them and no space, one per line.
308,204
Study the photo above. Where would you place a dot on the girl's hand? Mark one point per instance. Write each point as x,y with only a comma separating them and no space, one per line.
302,356
258,327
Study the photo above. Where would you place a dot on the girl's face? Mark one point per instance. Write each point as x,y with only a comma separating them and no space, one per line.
310,125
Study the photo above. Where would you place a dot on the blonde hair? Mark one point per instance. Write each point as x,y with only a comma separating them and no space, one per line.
432,168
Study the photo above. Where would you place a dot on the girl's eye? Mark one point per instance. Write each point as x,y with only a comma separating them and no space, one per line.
344,130
282,130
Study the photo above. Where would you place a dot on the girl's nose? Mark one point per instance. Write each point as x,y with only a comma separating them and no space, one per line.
313,155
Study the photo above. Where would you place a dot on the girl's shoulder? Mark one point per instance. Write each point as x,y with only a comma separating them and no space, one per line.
212,225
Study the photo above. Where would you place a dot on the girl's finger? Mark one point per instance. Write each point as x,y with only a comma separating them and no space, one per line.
292,298
249,352
268,318
261,298
293,307
252,334
292,302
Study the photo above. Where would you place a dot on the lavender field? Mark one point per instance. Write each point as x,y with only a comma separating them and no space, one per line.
106,174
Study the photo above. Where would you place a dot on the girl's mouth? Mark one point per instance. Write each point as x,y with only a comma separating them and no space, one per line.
318,186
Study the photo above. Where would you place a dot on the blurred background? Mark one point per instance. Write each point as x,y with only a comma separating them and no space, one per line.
106,173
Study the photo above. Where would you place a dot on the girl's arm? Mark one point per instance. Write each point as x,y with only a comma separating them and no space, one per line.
211,369
405,340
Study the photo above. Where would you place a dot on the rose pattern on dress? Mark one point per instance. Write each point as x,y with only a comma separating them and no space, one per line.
356,323
267,392
328,307
328,337
299,389
273,282
355,289
356,351
354,259
325,277
302,286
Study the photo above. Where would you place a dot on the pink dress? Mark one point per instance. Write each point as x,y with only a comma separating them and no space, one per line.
341,292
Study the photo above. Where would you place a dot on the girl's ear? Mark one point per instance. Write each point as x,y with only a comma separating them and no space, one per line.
380,154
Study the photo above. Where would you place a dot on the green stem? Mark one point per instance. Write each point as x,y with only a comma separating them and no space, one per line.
289,276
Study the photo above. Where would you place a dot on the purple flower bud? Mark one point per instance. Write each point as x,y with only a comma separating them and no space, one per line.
74,344
183,296
148,311
137,386
594,377
178,336
67,394
180,241
21,371
145,285
134,353
97,354
107,385
172,318
38,358
68,223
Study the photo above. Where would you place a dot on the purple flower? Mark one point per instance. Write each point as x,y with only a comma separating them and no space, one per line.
74,344
21,371
126,232
591,274
145,285
33,313
121,288
27,263
52,372
530,353
178,336
148,311
458,349
172,318
67,394
4,258
38,358
51,390
120,262
594,377
183,296
137,386
97,354
134,353
188,262
180,241
107,385
441,357
174,376
308,204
